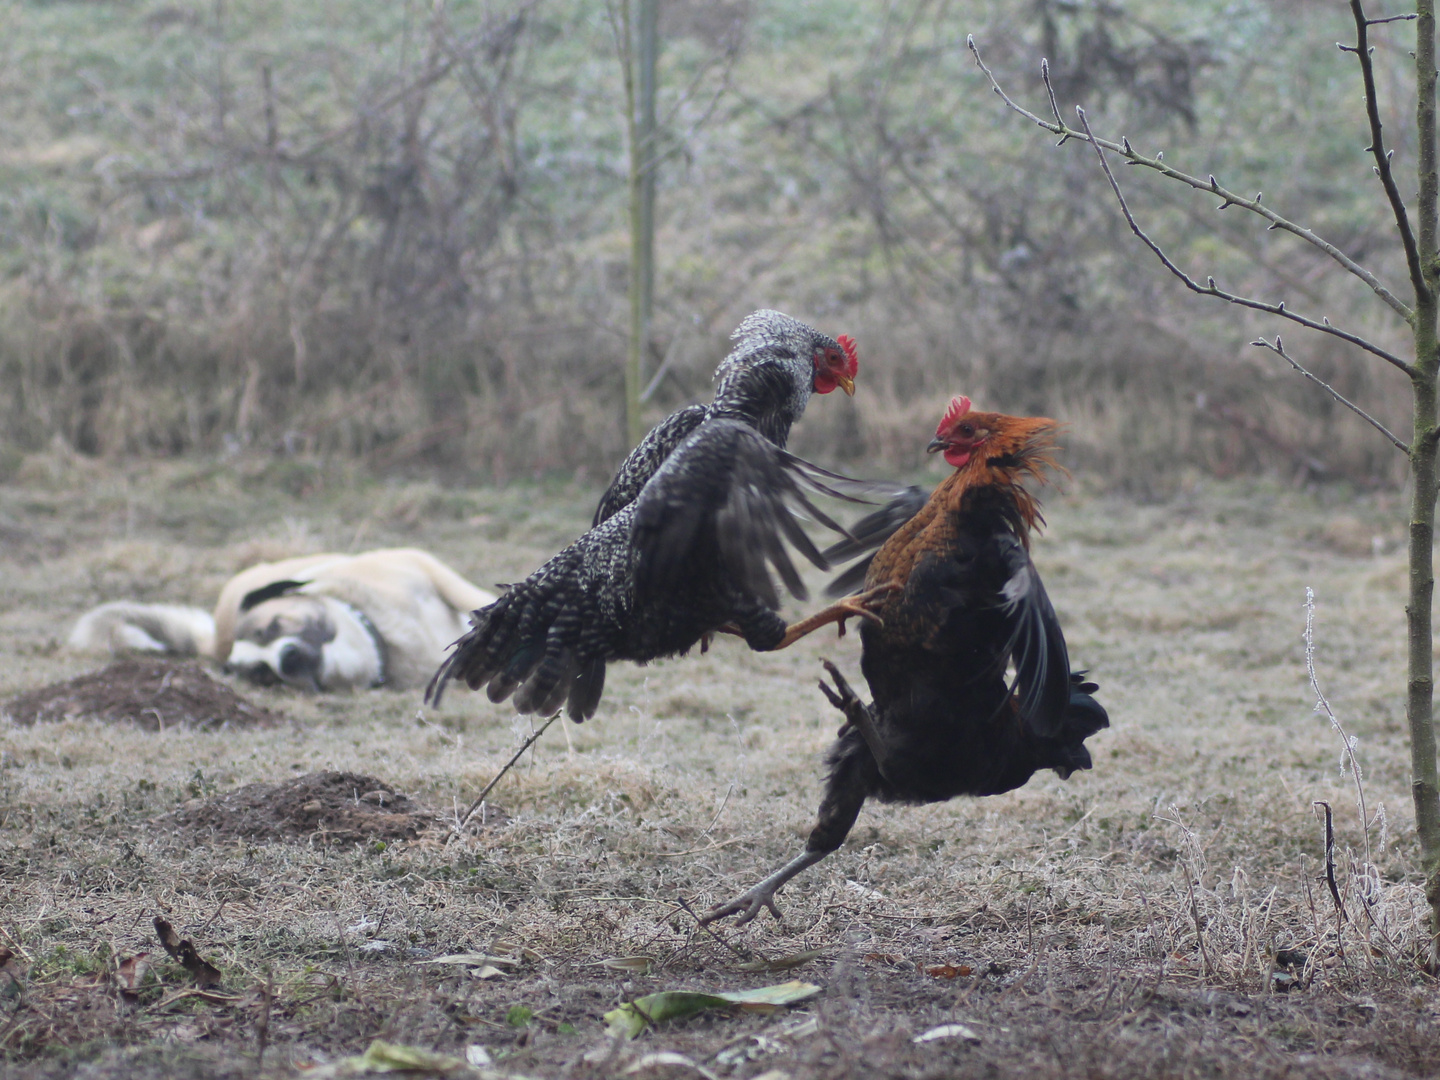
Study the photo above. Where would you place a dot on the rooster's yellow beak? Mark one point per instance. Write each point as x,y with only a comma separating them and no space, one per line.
846,383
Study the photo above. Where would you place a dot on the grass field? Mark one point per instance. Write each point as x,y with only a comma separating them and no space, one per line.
1163,915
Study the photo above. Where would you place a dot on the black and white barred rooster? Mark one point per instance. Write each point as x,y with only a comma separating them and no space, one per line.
683,538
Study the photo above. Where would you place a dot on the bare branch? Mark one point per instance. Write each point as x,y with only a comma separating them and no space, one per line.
1054,105
1229,198
1324,326
1382,159
1278,348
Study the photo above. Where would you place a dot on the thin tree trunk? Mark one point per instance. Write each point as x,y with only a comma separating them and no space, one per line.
649,51
640,128
1420,684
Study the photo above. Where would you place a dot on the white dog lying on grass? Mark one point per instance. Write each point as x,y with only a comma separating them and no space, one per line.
317,622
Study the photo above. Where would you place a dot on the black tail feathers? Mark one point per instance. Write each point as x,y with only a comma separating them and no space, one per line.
1084,716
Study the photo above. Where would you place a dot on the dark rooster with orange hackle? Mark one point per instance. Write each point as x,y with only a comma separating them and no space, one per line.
965,606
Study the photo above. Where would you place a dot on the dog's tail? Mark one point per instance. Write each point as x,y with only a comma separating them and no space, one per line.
125,626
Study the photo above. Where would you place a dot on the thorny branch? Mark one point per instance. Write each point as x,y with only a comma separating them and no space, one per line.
1279,349
1228,198
1361,49
1210,288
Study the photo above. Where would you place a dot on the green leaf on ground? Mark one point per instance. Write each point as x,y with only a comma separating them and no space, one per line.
633,1017
383,1057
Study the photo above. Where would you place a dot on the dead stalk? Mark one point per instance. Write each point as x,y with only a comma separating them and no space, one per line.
534,737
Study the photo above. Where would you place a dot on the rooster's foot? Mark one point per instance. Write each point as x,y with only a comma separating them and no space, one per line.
749,903
843,697
857,606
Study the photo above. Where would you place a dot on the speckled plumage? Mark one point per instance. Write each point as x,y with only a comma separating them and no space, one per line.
682,542
765,381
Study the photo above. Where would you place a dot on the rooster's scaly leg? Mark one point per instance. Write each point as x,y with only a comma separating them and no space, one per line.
844,698
851,606
853,776
762,895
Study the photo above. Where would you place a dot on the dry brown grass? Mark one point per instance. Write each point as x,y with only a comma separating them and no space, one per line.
1122,924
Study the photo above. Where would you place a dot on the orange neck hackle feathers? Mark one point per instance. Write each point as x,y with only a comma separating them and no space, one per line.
993,450
990,448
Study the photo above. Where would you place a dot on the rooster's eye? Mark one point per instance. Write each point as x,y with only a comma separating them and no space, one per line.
966,429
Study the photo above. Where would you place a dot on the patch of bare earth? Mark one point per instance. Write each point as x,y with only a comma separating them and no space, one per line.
155,695
330,807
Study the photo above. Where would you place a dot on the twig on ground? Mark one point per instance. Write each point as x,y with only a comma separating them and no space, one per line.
723,803
1206,967
742,953
262,1024
1369,892
1322,705
1341,915
534,737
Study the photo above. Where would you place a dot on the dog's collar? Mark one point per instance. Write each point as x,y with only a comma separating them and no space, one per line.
382,654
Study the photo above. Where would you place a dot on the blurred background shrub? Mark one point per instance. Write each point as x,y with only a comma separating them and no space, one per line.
394,231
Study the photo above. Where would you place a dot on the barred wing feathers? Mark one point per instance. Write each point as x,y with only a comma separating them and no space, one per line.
690,554
643,462
726,498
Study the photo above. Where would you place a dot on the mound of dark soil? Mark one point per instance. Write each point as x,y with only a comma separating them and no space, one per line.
152,694
334,807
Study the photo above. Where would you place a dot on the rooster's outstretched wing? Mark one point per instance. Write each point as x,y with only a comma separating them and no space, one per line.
690,554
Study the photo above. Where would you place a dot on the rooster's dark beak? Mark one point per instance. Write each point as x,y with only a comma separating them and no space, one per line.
936,445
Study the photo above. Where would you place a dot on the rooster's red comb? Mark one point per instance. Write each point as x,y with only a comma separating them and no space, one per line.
852,356
959,406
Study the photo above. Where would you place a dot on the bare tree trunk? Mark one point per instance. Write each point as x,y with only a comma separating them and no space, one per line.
637,59
1420,687
649,48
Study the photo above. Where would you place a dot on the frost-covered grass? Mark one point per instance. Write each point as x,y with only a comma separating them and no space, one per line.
1124,923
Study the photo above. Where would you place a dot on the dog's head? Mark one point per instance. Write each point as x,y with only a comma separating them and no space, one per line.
310,642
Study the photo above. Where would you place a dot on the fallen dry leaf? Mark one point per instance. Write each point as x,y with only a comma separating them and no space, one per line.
203,973
639,965
130,973
780,963
949,971
633,1017
471,959
884,958
948,1031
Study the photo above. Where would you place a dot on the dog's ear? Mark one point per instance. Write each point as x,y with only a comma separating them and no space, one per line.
269,592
